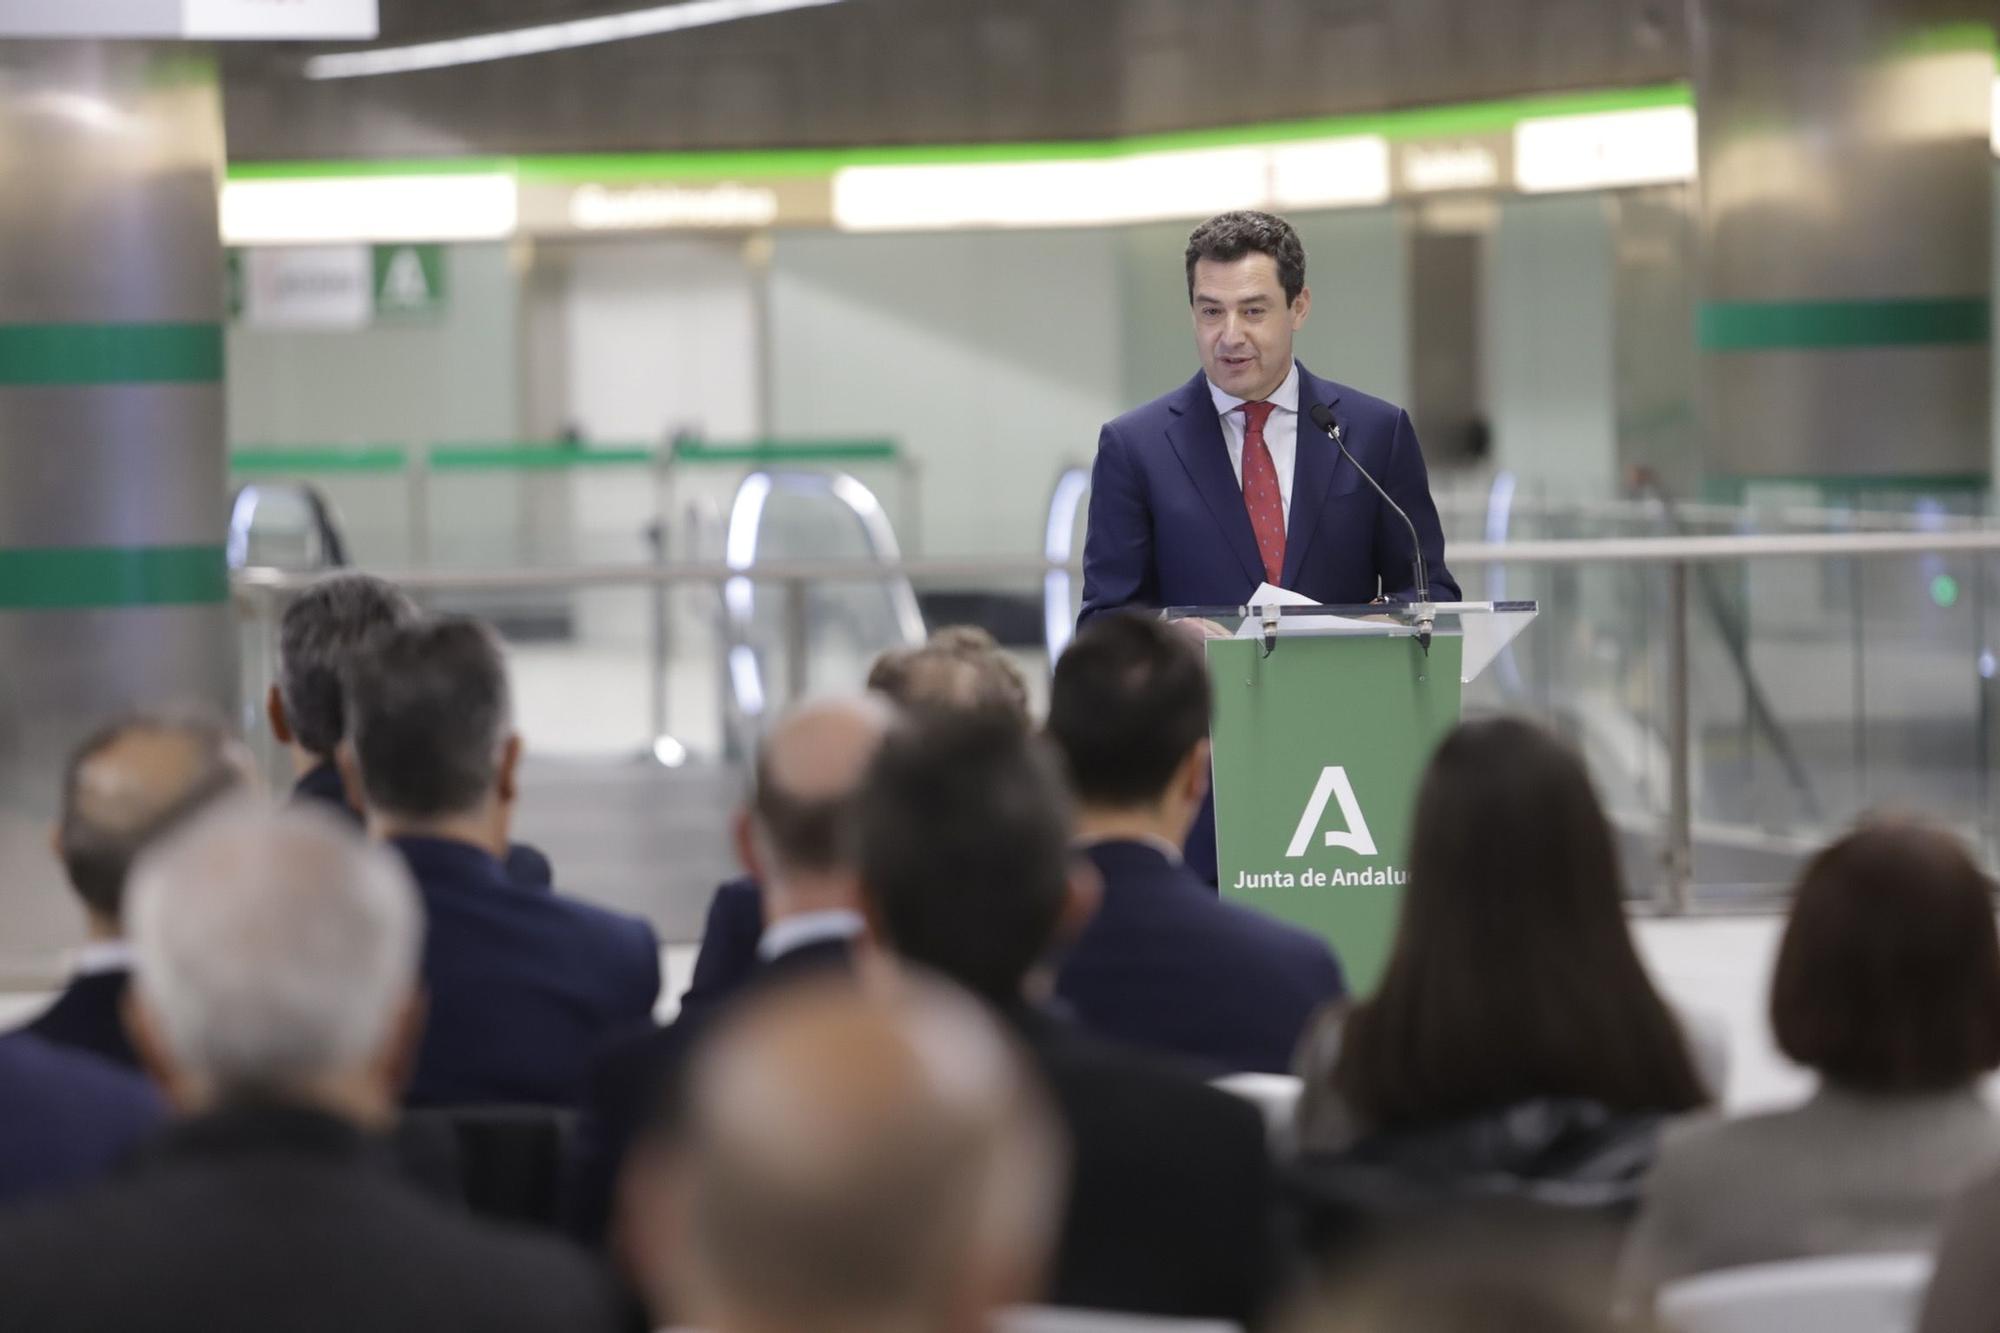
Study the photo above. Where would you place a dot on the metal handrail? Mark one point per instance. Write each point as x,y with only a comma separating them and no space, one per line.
1677,557
1663,551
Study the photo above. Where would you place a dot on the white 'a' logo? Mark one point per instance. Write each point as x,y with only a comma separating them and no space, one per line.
1333,785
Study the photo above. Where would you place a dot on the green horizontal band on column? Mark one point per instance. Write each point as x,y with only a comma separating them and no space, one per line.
41,354
53,578
1761,326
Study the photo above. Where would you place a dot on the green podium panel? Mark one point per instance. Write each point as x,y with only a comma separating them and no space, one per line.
1319,747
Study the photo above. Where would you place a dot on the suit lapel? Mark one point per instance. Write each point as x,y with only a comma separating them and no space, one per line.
1313,469
1196,434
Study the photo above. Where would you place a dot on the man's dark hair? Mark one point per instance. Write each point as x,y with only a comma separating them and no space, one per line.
427,710
1129,702
102,832
965,828
1888,980
1511,859
319,631
1230,236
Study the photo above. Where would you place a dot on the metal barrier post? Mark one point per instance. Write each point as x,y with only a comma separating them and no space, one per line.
1677,884
418,492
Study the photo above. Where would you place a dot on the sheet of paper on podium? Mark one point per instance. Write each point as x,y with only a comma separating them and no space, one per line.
1269,594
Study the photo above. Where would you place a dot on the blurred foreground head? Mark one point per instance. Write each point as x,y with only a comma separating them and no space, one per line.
849,1161
275,959
132,783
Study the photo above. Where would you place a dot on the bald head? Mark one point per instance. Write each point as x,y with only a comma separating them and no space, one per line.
809,768
851,1161
130,784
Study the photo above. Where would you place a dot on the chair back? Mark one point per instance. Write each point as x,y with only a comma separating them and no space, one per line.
1855,1293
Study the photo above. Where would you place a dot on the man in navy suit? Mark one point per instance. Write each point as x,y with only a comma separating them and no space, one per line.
522,983
126,787
1225,483
321,627
1165,964
794,836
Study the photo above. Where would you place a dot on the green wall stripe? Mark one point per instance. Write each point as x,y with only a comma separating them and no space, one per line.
98,577
528,457
265,462
781,451
43,354
1460,118
1754,326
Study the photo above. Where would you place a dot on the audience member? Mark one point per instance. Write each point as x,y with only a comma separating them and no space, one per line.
849,1164
958,667
795,837
1888,987
1164,963
66,1117
523,983
966,867
317,635
276,1000
1516,1052
126,786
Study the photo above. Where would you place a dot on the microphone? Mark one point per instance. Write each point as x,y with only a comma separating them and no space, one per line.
1322,416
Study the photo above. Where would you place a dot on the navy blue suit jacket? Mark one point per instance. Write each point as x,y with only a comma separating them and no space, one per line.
728,953
68,1117
1168,526
322,783
89,1016
1167,965
523,983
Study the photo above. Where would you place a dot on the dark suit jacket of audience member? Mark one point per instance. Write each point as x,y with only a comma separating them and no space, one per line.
1173,1202
523,984
65,1118
638,1073
1167,965
282,1221
89,1016
728,953
525,865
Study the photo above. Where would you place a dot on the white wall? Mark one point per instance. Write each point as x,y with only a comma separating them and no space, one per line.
993,358
425,381
660,335
1549,348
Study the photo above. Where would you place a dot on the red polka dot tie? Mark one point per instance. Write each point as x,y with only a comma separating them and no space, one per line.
1260,490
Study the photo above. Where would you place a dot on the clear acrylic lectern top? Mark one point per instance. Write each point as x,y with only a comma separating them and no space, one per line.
1486,627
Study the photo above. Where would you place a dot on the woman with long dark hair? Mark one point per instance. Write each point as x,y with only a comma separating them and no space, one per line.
1513,980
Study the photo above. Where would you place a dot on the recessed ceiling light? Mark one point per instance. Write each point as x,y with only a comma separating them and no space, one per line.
544,37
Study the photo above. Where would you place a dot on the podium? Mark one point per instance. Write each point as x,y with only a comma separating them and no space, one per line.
1325,717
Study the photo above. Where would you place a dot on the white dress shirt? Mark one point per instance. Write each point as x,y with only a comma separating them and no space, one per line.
796,932
1281,434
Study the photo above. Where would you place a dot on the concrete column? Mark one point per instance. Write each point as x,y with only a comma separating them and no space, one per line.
1845,222
113,592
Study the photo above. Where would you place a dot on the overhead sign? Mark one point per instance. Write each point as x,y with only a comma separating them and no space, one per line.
195,20
336,286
